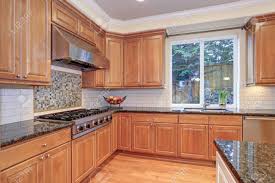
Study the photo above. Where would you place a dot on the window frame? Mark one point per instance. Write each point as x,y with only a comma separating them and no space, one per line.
201,38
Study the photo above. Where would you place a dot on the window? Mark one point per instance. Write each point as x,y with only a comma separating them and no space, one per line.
201,69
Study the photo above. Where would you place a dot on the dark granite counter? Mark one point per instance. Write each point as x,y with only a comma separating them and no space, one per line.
20,131
248,112
249,162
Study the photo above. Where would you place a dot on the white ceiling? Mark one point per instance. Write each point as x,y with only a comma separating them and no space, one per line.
131,9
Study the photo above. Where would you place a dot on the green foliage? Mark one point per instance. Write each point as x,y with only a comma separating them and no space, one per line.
223,94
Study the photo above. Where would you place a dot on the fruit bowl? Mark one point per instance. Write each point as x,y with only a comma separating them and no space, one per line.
114,100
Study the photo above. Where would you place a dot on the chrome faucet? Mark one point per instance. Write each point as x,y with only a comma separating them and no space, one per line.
205,105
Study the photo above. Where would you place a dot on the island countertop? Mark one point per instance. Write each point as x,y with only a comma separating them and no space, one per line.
248,161
24,130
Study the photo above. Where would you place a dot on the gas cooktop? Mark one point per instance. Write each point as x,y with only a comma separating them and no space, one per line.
74,114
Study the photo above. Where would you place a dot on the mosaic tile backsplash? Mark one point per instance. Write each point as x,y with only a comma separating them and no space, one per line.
65,92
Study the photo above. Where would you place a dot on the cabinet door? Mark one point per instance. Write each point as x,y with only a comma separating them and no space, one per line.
142,137
224,133
132,62
83,156
86,31
124,132
166,139
30,171
114,52
100,41
9,36
114,134
58,164
153,65
103,144
36,41
193,141
64,17
265,53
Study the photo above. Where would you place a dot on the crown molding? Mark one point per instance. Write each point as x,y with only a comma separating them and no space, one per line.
202,15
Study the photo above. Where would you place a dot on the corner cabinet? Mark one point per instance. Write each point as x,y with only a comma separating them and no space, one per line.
25,42
114,52
260,50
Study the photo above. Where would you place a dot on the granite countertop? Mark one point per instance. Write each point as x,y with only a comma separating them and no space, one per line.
176,110
20,131
250,162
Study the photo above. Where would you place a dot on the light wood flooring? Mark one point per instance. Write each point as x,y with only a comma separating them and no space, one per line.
126,169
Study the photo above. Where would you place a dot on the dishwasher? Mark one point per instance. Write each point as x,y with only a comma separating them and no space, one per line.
259,129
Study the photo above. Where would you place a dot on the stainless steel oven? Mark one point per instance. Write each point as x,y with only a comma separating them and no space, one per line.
259,129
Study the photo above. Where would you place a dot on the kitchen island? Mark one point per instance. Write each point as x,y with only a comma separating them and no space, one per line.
245,162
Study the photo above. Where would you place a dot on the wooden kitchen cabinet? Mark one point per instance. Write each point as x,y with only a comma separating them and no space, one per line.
265,53
100,41
133,62
53,166
103,144
30,171
193,141
142,137
83,156
93,79
224,133
124,132
165,140
114,52
25,48
64,17
114,134
9,44
86,31
153,60
59,164
36,57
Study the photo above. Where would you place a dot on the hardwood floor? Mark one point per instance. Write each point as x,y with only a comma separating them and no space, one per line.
126,169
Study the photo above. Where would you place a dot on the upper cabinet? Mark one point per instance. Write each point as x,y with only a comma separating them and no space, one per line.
64,17
152,61
86,31
261,53
114,52
25,42
133,62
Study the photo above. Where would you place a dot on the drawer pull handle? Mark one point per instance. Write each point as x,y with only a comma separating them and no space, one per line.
44,145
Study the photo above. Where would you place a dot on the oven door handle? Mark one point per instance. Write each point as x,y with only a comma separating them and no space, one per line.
259,118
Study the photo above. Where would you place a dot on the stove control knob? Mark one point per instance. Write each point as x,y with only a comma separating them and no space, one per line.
80,128
88,126
99,121
105,118
109,118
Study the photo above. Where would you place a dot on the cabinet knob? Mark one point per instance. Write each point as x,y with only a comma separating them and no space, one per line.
44,145
18,76
42,158
48,155
25,76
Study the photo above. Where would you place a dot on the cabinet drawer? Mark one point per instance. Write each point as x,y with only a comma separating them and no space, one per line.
193,119
142,117
225,120
24,151
165,118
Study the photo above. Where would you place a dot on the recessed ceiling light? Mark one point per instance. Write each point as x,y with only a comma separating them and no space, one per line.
139,0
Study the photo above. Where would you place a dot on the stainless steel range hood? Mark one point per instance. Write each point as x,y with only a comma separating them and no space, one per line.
70,51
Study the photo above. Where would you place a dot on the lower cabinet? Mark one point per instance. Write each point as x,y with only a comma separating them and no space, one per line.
166,140
223,173
222,132
83,156
50,167
124,132
142,137
193,141
103,144
114,134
